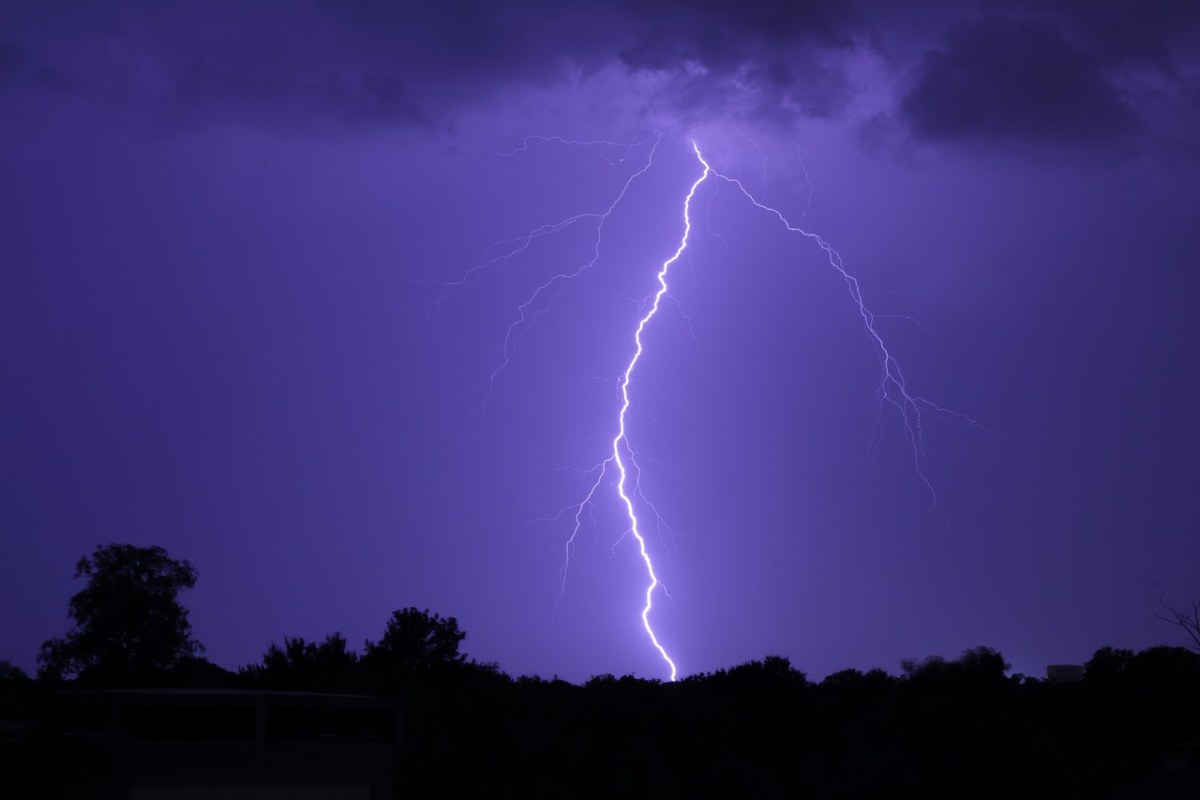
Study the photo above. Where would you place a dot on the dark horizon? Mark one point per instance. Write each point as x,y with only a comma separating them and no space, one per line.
252,314
1125,728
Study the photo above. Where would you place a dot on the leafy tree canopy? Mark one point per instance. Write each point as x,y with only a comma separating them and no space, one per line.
128,619
310,666
415,642
979,665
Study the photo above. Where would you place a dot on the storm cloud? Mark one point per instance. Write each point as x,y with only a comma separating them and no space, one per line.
1056,73
1000,79
366,61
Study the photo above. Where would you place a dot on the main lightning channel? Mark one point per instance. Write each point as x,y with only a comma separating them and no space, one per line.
620,442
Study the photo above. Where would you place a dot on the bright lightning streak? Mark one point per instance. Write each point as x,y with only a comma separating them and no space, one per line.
621,443
891,390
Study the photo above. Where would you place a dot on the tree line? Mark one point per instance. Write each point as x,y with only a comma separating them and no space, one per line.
131,630
1130,727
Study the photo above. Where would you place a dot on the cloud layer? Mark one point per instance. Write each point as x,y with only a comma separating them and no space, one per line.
992,73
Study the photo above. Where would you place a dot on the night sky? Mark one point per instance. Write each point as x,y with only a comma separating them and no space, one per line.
254,301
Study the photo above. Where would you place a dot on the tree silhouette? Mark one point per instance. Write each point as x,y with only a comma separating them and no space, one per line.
1108,664
977,666
128,621
311,666
1186,617
414,643
11,672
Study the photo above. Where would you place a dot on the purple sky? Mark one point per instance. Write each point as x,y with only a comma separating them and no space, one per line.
223,229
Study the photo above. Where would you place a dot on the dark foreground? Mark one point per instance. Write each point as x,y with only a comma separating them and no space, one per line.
1130,728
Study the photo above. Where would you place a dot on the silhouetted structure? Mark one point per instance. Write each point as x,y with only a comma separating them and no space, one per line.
200,744
1066,673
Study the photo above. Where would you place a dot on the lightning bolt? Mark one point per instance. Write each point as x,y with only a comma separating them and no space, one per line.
892,388
621,449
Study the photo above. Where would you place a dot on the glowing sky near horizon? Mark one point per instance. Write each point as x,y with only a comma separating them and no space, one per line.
241,322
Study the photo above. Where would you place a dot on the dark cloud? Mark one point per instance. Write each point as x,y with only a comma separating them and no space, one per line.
1119,32
704,50
473,41
1043,72
473,37
377,62
358,97
10,62
723,36
1000,79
